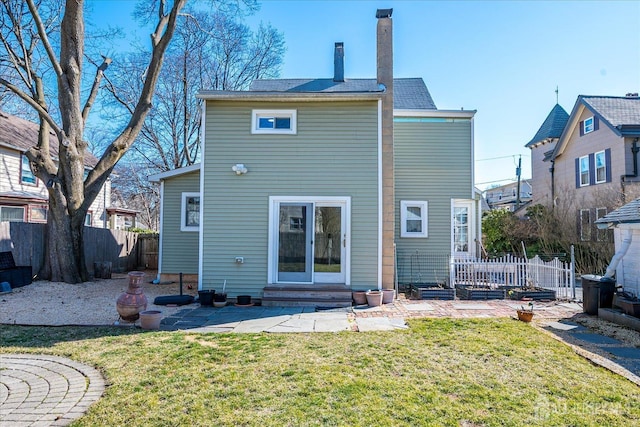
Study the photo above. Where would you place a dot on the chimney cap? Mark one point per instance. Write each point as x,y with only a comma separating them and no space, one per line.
384,13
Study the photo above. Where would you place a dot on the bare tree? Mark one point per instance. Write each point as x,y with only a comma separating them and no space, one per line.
211,51
27,58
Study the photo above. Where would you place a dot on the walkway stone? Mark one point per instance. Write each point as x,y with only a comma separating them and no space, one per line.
39,390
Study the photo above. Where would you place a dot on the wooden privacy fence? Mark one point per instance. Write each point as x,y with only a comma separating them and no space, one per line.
125,250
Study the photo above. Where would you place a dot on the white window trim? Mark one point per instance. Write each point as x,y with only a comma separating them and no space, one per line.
588,171
424,216
183,212
291,114
595,165
588,128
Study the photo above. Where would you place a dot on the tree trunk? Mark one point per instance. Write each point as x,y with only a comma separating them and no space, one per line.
64,254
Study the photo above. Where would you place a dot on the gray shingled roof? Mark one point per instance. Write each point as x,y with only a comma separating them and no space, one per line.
618,111
552,126
22,134
627,213
408,93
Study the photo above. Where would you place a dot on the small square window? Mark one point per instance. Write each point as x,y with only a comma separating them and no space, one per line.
190,212
88,219
413,215
273,121
296,223
588,125
38,214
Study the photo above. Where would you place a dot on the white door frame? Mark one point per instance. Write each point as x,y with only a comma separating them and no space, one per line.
274,220
471,218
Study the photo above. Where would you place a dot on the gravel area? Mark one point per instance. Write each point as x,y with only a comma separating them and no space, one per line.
89,303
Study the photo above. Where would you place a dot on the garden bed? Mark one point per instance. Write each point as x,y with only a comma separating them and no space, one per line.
432,292
535,294
476,293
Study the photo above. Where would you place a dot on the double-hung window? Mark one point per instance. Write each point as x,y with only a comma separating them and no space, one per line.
190,212
601,167
584,171
26,175
588,125
413,215
274,122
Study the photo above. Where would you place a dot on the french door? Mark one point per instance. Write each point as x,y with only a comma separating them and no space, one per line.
309,240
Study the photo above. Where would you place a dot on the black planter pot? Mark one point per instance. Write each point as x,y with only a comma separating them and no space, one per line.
220,297
206,297
244,300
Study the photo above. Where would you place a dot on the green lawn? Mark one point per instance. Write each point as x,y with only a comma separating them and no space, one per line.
439,372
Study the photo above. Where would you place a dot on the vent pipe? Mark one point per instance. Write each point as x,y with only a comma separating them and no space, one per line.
338,63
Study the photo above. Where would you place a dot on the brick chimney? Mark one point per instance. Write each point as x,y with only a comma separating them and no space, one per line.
385,77
338,63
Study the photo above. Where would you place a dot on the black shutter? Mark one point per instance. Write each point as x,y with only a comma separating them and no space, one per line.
596,123
592,169
607,163
581,128
577,173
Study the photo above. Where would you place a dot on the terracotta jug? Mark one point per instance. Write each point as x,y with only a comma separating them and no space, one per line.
132,302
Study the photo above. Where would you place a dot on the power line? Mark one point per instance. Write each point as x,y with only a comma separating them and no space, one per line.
503,157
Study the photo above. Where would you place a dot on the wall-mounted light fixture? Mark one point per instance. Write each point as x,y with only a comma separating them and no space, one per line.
239,169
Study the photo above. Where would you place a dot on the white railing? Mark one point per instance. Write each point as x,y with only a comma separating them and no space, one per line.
517,272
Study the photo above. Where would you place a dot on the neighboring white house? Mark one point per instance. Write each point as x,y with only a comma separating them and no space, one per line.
23,197
625,222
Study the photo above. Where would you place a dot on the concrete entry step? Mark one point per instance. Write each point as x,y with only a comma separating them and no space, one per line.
303,295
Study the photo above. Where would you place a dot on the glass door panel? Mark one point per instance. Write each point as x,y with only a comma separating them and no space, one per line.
329,241
294,242
461,229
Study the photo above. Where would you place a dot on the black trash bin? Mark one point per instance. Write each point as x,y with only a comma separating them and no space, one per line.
597,292
590,293
607,289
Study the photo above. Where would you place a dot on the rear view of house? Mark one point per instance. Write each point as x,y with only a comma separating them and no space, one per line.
312,185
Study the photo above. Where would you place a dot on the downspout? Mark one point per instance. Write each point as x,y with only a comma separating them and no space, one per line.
634,157
626,242
552,169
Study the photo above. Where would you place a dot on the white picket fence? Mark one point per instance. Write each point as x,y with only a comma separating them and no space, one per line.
513,271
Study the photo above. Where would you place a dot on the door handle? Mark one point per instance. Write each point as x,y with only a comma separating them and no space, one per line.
344,241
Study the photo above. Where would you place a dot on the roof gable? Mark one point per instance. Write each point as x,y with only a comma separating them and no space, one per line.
552,126
626,214
620,114
22,134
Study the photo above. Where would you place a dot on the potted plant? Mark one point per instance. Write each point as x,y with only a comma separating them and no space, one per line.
359,297
374,298
524,314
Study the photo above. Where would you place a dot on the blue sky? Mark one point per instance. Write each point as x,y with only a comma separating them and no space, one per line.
501,58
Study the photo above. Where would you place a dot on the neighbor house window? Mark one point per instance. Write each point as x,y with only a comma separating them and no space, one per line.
11,213
584,171
413,216
296,223
38,214
26,175
274,121
585,225
190,212
601,167
588,125
88,219
602,235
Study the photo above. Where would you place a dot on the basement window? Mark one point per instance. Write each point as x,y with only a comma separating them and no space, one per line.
274,122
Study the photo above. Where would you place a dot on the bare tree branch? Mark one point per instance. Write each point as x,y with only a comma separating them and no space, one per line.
94,89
